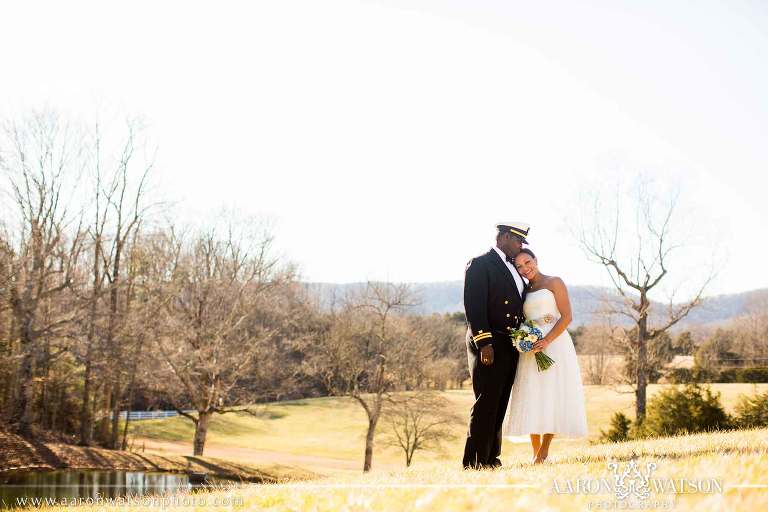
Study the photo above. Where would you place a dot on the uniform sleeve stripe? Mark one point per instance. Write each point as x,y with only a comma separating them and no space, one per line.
482,336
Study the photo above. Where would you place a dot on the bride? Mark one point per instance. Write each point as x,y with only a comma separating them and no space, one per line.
548,402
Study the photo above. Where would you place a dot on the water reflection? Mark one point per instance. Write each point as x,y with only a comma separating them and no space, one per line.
86,483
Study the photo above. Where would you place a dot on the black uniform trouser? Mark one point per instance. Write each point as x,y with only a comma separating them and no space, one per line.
492,386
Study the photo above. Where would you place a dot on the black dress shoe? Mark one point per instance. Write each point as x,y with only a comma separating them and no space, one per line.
495,463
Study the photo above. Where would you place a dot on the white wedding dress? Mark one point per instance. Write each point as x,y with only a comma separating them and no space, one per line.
550,401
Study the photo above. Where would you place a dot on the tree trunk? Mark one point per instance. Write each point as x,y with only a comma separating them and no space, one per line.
45,402
55,406
86,416
201,432
104,423
369,445
642,356
25,401
86,424
131,388
115,431
23,408
113,343
373,419
94,408
12,376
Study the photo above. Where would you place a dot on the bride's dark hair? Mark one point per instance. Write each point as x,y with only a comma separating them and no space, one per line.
528,252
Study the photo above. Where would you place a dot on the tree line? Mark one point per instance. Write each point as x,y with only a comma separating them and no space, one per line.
732,352
108,302
106,308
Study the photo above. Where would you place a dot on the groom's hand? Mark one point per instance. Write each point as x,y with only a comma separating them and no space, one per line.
486,355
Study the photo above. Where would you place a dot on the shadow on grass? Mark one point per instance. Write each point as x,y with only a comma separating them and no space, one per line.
170,429
230,424
45,454
148,462
78,456
321,402
233,471
265,414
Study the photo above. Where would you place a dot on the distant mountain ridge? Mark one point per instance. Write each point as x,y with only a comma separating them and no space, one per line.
586,301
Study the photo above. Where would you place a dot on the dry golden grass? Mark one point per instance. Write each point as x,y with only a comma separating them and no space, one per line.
325,432
333,427
734,458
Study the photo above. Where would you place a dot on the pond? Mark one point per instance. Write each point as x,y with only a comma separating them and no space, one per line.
71,484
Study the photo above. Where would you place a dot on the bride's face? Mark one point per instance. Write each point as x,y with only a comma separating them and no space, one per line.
526,265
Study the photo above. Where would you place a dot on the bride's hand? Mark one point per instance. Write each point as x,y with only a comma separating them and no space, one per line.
540,345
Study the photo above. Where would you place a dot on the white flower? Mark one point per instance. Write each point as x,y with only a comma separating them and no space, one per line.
525,328
532,338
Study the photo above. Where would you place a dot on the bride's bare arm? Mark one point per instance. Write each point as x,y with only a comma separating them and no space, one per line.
558,289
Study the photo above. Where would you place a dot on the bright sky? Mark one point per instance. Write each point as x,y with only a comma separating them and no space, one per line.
384,139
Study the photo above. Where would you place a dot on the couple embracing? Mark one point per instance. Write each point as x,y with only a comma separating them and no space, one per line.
504,292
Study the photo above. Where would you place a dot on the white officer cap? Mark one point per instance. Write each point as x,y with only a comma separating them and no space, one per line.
516,228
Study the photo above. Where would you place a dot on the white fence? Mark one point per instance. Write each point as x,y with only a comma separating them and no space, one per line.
148,415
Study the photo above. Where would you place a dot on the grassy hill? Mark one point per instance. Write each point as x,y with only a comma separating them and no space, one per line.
325,435
729,466
726,461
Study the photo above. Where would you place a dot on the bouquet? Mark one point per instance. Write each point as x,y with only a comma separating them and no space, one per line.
523,339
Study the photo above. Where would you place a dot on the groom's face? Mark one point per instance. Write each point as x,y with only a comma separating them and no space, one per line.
510,245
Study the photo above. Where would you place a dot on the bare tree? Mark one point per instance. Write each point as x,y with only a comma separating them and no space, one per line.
633,239
88,355
117,207
362,354
752,328
41,156
140,310
208,338
8,332
595,344
126,205
440,372
419,421
438,356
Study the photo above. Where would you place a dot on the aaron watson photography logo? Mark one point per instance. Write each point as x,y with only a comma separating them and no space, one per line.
633,486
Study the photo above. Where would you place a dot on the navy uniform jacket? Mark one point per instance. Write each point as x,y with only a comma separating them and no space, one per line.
492,303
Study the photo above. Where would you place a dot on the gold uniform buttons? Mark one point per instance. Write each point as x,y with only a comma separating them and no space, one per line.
507,315
506,302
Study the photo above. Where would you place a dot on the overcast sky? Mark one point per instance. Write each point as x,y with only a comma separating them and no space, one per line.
384,139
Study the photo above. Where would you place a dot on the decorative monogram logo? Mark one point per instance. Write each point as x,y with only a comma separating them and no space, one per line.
632,482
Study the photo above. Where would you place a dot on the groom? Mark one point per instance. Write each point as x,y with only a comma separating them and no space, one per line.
493,303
